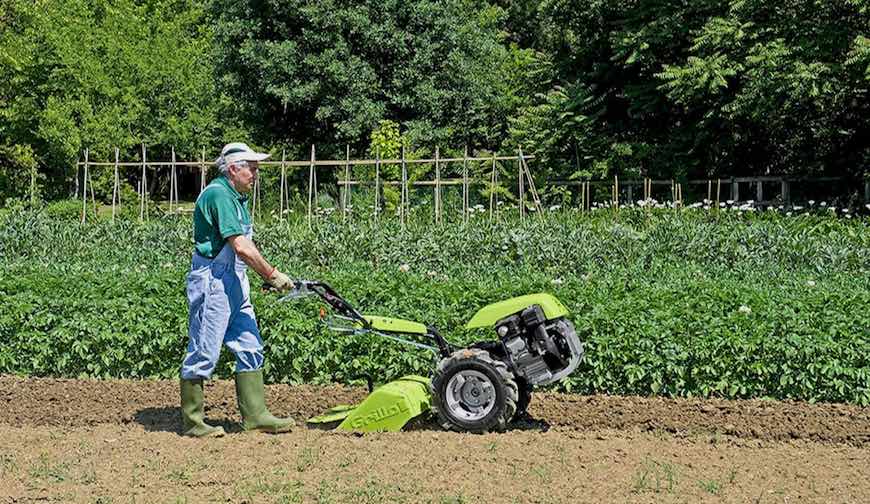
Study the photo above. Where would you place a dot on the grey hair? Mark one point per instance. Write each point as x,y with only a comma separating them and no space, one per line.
224,167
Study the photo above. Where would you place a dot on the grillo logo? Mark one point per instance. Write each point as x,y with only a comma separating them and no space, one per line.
380,414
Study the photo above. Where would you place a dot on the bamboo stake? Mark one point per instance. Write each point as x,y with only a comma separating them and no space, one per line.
310,186
348,201
709,189
202,169
582,196
85,188
172,180
404,190
522,191
718,188
281,187
77,178
377,180
532,189
346,186
116,189
495,185
616,191
437,186
492,187
465,186
142,187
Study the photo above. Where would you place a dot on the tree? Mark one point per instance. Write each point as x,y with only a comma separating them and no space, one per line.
327,72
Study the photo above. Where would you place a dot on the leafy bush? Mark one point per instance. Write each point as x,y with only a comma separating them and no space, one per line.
677,304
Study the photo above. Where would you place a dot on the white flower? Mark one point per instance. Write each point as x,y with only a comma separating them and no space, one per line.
867,206
744,309
730,202
404,268
811,283
788,214
722,205
823,203
845,210
812,202
556,281
798,208
750,202
555,207
431,273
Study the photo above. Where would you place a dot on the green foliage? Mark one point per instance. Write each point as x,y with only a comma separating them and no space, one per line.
81,73
702,88
670,90
328,72
677,304
19,177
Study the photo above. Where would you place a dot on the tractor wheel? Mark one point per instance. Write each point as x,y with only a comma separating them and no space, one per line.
473,392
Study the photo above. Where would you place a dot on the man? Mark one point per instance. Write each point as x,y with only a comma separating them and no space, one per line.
218,294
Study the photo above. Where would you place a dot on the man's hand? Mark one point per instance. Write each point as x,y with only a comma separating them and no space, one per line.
280,281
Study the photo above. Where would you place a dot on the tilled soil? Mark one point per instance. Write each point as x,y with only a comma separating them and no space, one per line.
118,441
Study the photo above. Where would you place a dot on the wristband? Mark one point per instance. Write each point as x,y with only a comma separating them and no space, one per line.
274,269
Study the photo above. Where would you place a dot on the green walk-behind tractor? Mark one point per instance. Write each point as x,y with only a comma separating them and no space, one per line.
477,388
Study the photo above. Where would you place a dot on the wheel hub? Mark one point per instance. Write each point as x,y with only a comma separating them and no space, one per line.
470,395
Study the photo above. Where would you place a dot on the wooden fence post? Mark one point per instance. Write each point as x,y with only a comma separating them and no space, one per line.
785,191
759,191
735,190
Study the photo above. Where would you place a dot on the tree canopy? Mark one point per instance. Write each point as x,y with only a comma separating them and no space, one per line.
627,87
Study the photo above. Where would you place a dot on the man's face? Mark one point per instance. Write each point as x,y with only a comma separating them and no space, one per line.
243,175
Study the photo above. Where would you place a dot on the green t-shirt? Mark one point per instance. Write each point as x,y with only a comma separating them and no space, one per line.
220,213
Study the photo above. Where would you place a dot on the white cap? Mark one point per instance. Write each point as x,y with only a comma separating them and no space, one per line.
237,151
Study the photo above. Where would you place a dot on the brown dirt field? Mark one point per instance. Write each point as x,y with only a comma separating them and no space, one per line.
118,441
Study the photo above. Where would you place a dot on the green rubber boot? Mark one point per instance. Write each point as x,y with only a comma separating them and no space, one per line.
252,405
192,412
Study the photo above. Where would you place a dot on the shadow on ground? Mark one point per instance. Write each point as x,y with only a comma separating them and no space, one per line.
168,419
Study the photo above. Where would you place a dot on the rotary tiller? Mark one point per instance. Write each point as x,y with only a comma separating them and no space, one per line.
477,388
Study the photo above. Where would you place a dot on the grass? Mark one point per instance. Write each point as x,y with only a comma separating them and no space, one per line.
710,486
655,476
307,458
46,470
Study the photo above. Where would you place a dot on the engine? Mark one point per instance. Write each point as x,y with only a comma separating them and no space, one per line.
540,351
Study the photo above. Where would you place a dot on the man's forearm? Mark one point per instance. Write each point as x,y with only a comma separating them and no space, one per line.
249,253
